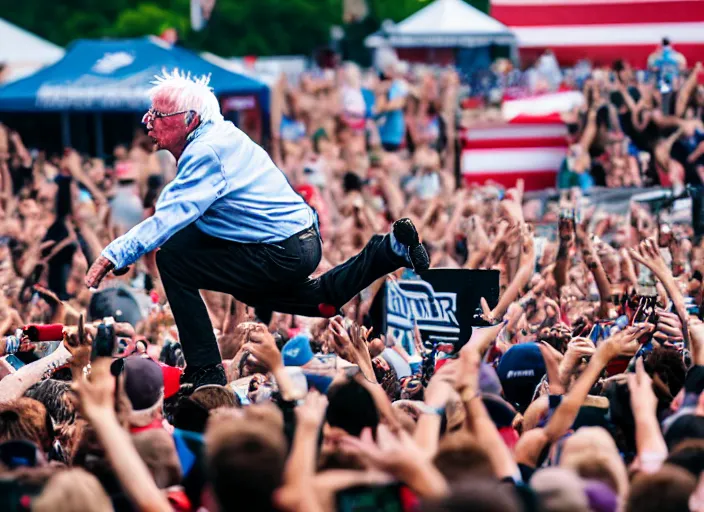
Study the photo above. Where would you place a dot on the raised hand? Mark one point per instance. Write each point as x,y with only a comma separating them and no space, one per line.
394,453
648,254
668,327
261,344
566,229
582,236
79,342
552,368
312,411
617,344
476,236
511,207
341,342
577,349
643,399
97,271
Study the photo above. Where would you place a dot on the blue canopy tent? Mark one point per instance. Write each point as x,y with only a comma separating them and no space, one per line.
100,76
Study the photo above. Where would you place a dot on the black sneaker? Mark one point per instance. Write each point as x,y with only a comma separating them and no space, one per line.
405,232
204,375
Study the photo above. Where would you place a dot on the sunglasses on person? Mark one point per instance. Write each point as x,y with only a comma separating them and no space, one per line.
153,114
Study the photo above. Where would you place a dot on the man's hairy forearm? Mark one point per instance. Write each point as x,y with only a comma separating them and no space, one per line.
15,385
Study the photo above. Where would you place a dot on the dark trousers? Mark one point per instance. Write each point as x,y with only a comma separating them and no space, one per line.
272,277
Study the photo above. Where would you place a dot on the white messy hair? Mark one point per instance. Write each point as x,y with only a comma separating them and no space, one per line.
188,93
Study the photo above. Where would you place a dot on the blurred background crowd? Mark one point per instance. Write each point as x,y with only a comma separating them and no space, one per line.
564,156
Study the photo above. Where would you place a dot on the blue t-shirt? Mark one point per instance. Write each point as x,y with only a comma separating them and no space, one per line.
369,100
392,124
668,69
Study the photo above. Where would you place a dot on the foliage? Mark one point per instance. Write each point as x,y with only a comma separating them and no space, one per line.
237,27
147,18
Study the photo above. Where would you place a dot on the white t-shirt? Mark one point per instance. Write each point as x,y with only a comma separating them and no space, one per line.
354,108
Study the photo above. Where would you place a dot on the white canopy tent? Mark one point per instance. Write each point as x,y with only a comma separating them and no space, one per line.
445,24
22,53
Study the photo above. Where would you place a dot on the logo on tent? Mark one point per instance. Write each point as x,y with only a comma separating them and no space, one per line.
111,62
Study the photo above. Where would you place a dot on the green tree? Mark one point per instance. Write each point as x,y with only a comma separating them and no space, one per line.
237,27
268,27
146,19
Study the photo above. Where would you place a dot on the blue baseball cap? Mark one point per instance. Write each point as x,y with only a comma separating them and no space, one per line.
297,351
520,370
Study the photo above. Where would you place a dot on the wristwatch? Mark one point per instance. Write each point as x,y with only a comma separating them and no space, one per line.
429,409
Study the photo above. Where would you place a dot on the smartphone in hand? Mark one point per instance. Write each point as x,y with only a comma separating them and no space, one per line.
104,342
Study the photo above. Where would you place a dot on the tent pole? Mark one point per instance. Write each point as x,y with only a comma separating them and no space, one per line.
99,148
65,130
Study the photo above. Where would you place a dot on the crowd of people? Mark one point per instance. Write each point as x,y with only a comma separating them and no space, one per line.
635,128
580,389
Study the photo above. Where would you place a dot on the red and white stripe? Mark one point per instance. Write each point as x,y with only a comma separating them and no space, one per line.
528,147
604,30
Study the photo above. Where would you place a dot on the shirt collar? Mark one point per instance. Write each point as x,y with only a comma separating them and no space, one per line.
202,128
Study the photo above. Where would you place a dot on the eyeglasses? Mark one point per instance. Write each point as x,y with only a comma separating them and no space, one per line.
155,114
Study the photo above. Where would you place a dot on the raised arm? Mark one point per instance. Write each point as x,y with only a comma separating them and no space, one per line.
97,405
525,272
591,259
650,445
686,90
648,254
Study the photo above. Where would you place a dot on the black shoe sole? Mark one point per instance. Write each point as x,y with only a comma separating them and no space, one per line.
406,233
205,376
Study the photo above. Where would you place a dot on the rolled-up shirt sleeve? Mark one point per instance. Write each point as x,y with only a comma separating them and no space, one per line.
199,183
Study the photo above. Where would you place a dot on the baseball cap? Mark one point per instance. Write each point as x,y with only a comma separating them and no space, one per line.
297,351
144,382
172,379
117,303
520,370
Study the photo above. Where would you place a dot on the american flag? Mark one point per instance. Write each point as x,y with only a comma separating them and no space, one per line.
604,30
531,143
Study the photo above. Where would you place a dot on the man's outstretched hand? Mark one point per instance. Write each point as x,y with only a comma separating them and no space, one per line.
97,271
